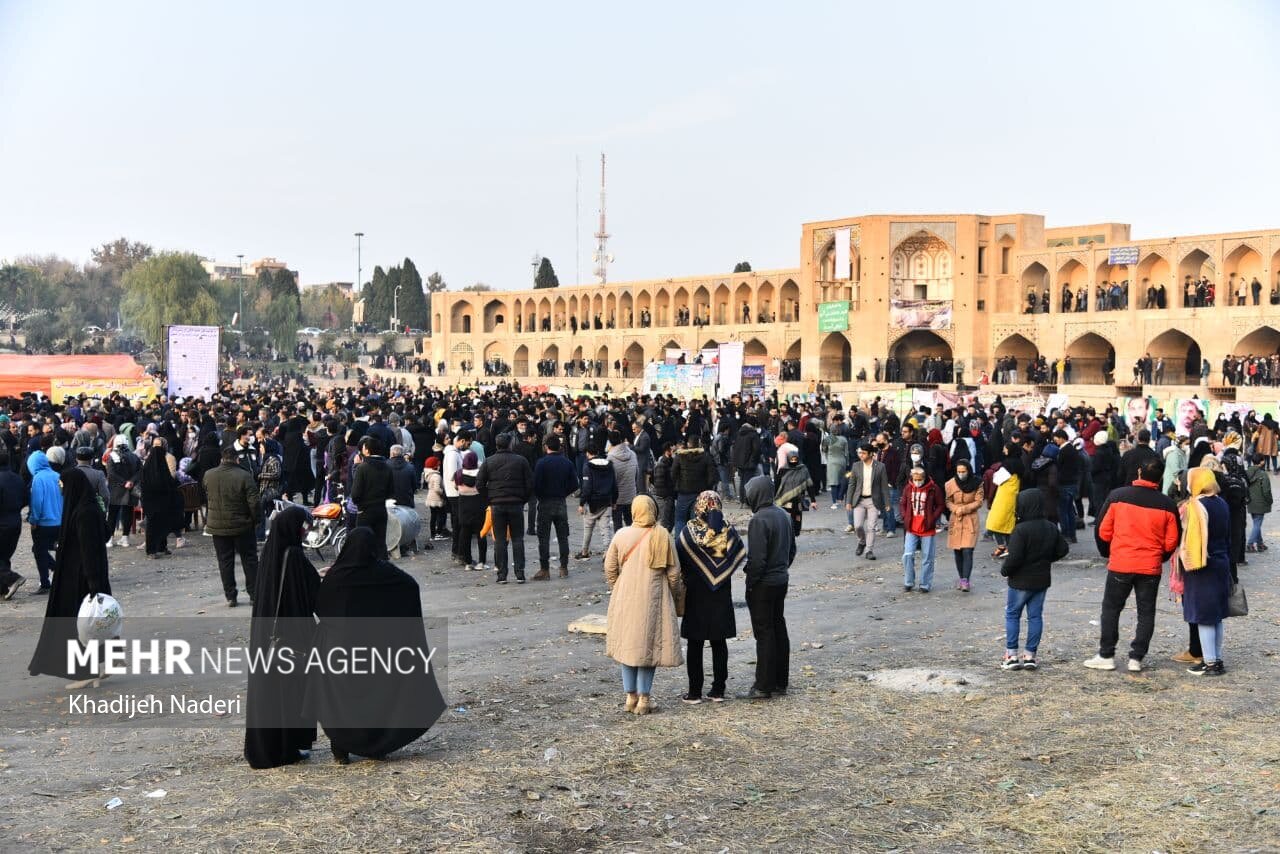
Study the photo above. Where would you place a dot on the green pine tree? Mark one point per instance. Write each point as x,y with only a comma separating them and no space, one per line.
546,277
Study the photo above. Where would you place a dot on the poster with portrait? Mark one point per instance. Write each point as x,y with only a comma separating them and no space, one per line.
920,314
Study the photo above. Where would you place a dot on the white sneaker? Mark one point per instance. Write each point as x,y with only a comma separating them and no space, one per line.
848,529
181,544
1100,663
124,542
111,543
890,535
1135,665
835,506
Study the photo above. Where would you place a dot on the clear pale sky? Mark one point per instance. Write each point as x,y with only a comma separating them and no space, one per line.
448,132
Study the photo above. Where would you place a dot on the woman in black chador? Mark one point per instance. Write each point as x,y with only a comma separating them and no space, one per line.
283,602
79,569
366,601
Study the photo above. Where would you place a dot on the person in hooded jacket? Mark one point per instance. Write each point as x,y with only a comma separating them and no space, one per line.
1033,547
1235,491
597,495
279,730
626,471
45,512
771,549
79,570
746,454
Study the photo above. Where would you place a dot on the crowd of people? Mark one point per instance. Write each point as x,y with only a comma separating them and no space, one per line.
651,474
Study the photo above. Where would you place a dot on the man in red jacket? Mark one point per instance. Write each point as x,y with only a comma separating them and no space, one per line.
1139,531
920,506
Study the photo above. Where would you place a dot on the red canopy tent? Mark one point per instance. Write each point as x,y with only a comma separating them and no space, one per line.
20,374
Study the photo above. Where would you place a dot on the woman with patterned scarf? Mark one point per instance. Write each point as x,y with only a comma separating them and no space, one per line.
709,549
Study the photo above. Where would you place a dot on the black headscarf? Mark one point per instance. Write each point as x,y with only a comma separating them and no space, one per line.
79,569
285,590
157,480
365,600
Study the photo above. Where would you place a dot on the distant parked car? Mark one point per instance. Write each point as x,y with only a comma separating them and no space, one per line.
309,330
92,330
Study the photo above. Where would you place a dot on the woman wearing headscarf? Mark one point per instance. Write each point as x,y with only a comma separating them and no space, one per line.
161,503
278,728
964,498
1266,441
79,570
470,511
366,601
935,457
122,472
709,549
811,454
642,571
1204,567
1006,482
793,488
1175,463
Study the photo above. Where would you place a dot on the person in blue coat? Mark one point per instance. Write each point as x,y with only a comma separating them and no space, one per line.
1205,558
45,513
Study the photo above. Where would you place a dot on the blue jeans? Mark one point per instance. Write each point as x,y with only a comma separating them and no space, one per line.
1033,602
1210,640
890,517
1067,511
1255,532
838,488
637,680
726,482
684,504
928,546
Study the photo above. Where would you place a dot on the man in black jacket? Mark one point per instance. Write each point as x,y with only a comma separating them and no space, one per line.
771,548
526,444
505,483
554,480
371,486
1033,547
664,488
1070,468
1134,458
746,454
403,481
693,471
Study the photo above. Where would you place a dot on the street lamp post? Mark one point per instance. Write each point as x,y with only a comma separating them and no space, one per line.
240,280
359,270
395,307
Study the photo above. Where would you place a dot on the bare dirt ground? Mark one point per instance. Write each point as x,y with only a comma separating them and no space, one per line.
536,754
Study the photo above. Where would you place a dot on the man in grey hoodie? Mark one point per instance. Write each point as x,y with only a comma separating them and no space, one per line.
771,548
625,466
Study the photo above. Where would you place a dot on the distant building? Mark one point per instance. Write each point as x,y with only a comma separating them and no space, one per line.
344,288
218,270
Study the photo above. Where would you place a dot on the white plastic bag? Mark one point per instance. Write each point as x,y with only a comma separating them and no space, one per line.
100,618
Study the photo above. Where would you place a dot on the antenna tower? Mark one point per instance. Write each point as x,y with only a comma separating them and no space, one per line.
603,258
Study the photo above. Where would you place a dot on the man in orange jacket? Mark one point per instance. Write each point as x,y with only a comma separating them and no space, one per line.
1139,531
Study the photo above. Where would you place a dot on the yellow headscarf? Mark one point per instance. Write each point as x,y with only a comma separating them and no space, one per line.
644,514
1195,521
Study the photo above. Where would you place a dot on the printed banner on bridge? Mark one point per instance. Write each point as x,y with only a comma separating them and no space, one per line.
1122,255
753,380
833,316
920,314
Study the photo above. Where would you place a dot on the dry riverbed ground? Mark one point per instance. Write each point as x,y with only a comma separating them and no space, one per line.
900,731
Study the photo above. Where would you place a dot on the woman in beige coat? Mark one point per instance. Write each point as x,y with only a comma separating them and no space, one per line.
964,497
644,575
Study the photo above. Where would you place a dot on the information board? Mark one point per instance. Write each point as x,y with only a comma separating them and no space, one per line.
192,361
